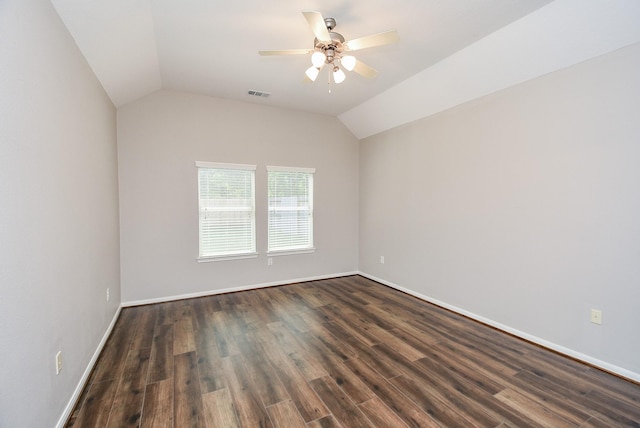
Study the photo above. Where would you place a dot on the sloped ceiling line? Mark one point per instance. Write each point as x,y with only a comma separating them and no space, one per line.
449,52
554,37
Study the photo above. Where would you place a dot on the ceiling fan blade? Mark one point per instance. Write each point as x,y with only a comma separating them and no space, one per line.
317,24
364,70
379,39
286,52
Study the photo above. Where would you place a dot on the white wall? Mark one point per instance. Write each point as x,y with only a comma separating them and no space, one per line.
159,139
58,214
521,208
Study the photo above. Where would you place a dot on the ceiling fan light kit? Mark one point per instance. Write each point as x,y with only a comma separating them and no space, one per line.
318,58
312,73
348,62
330,48
338,75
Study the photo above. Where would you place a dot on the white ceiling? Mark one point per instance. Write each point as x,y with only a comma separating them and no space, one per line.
210,47
559,35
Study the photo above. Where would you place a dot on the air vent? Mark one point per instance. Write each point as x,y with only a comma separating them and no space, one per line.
259,94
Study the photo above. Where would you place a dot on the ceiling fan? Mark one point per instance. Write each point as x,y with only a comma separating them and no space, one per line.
330,49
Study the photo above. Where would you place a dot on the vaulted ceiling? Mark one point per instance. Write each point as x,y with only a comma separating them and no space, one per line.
210,47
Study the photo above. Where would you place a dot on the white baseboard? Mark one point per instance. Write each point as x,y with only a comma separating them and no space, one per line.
233,289
544,343
619,371
85,376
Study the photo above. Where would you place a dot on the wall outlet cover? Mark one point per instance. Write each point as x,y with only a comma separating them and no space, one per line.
58,362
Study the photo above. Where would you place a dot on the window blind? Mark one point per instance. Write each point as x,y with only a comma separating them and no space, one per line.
226,209
290,195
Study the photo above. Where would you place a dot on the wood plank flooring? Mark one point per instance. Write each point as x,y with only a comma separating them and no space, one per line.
345,352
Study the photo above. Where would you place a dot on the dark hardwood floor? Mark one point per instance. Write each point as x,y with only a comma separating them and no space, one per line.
345,352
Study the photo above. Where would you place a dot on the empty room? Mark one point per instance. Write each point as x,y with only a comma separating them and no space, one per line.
344,213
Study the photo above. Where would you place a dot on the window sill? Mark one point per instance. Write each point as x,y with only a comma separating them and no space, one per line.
208,259
290,252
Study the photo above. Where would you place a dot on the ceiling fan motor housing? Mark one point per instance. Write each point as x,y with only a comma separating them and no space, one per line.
334,49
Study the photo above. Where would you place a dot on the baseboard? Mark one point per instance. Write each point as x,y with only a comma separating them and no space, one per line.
85,376
233,289
619,371
603,365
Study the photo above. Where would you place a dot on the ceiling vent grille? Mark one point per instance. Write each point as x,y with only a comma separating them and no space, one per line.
259,94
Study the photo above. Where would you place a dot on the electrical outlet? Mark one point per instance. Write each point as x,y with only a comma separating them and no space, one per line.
596,316
269,261
108,294
382,259
58,362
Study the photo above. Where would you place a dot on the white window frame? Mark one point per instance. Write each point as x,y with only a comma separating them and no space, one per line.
230,255
309,247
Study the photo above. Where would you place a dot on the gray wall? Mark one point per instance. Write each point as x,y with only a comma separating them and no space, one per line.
58,214
520,208
159,139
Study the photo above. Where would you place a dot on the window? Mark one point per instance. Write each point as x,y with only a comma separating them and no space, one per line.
290,220
226,199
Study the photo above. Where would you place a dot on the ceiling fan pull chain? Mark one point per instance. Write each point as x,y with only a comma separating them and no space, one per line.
329,81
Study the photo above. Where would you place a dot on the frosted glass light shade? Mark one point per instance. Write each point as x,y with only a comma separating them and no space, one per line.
317,59
348,62
338,75
312,73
